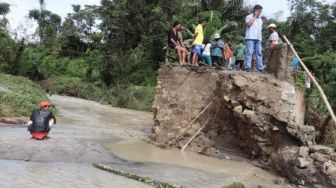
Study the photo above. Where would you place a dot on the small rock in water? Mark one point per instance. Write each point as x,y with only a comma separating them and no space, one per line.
235,185
279,181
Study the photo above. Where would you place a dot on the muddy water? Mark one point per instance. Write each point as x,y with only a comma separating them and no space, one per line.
84,124
137,126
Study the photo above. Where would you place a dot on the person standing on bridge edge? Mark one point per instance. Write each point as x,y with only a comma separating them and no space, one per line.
40,121
253,38
217,48
272,41
198,41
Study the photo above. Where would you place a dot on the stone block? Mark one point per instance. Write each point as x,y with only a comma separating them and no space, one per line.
321,149
238,110
304,152
302,162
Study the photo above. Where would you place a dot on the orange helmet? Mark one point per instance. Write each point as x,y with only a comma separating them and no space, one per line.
44,104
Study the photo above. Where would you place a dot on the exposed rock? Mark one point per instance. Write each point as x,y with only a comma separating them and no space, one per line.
226,98
321,149
238,110
304,151
319,157
234,103
302,162
329,168
239,81
248,113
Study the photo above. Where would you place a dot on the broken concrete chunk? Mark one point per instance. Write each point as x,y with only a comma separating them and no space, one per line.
170,136
238,110
275,128
302,162
248,113
321,149
226,98
239,81
319,157
157,130
304,152
329,168
234,103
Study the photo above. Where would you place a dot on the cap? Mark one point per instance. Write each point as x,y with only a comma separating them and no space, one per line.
44,103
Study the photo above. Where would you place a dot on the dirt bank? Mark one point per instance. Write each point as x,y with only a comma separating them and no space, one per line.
250,112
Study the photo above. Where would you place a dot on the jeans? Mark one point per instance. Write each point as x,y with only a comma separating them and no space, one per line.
253,46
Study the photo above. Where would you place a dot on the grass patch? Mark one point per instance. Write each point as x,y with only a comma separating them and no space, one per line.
135,97
19,96
131,97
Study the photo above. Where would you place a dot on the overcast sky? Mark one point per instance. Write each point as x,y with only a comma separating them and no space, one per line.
20,9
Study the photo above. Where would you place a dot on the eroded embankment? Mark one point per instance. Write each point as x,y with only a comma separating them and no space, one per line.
252,112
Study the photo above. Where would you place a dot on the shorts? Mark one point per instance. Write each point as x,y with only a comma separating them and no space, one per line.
172,46
197,49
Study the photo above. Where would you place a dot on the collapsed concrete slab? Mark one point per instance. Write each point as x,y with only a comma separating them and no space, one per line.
254,112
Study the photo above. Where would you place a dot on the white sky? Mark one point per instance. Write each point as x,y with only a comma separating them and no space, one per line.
20,9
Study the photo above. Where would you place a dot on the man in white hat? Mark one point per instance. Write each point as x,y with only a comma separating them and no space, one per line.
273,40
274,37
217,47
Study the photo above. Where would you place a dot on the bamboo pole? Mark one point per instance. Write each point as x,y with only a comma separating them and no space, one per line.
198,115
314,81
192,138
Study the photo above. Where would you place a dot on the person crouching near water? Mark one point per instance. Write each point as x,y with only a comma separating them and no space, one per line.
40,121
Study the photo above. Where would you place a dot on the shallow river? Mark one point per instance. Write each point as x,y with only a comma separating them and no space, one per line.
89,132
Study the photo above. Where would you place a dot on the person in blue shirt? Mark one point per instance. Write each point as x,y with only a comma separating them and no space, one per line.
253,38
295,63
217,48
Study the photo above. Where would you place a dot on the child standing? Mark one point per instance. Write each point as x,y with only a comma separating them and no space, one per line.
239,53
206,55
228,53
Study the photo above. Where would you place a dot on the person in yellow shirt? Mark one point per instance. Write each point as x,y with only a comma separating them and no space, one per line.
198,41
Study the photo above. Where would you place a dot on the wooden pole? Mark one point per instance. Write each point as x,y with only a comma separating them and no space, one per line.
198,115
314,81
192,138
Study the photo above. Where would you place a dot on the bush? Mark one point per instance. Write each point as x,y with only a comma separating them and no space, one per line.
132,97
75,87
135,97
19,96
37,64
